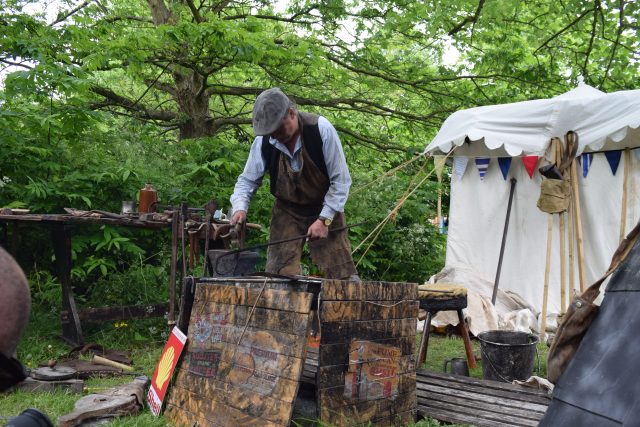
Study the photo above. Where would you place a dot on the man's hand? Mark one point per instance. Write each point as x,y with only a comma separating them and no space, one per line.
238,217
318,230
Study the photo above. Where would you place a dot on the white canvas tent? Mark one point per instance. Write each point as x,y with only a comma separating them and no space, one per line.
478,207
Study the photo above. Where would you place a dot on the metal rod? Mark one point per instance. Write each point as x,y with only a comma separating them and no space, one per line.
504,240
277,242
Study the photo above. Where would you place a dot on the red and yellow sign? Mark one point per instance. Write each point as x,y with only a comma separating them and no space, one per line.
164,370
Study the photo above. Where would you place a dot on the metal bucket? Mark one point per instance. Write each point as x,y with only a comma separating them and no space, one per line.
239,264
507,355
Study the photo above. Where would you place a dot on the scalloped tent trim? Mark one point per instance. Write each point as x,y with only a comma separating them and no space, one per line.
603,122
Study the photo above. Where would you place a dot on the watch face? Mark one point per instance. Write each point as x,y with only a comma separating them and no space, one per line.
327,222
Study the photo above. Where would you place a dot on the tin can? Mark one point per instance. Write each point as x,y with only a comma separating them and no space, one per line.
148,199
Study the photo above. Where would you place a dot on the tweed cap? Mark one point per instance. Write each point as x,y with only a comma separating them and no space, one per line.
270,108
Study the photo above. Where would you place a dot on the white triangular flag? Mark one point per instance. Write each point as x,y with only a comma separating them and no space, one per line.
459,166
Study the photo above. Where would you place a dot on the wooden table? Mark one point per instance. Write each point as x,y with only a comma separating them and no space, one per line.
61,227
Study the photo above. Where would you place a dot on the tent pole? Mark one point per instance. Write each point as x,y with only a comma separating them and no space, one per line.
625,183
547,269
572,274
563,282
504,240
578,224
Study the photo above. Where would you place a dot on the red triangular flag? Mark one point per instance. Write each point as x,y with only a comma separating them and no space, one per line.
530,163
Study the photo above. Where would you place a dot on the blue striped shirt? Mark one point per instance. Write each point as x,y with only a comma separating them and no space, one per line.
339,178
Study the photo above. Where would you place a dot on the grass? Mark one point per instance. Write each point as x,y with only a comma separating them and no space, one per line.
144,340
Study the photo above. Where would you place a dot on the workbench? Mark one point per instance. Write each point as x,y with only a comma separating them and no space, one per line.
61,227
184,222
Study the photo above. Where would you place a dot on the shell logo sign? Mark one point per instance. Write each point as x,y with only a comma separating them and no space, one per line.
164,367
164,370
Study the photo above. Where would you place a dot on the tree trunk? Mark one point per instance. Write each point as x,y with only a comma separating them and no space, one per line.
194,103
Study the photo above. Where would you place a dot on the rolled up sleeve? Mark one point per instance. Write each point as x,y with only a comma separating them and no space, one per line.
250,179
337,169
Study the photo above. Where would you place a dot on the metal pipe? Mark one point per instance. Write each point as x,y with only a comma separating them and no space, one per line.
504,240
277,242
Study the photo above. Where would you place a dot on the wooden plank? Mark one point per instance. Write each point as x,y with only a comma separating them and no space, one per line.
222,335
336,375
245,367
480,401
478,413
340,290
185,405
483,396
371,390
347,311
268,319
238,396
338,332
180,417
299,302
457,418
333,411
68,386
401,419
511,391
337,354
100,314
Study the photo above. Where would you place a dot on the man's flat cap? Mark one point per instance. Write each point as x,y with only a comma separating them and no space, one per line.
270,108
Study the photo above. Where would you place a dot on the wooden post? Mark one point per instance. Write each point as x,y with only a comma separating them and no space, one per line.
71,328
173,273
563,295
563,289
570,240
547,269
578,224
625,183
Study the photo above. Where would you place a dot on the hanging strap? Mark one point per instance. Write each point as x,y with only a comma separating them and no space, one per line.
570,150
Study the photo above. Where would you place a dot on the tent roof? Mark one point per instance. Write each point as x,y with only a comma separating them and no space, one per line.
602,121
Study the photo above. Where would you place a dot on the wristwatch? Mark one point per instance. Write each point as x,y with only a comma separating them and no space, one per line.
327,221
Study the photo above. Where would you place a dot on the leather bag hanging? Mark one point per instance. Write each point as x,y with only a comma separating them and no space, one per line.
581,313
555,193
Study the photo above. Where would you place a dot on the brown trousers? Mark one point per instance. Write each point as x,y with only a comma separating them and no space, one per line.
332,255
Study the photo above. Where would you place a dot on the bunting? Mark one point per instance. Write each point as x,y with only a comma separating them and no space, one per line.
482,164
505,165
530,163
613,157
459,166
585,160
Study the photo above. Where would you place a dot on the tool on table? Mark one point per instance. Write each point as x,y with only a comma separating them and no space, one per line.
276,242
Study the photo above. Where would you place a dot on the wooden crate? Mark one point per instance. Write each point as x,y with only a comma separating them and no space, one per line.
244,356
366,362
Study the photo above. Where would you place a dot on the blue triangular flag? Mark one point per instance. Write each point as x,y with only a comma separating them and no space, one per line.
613,157
505,165
585,160
483,164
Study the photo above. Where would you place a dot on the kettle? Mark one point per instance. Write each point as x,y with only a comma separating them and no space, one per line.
148,199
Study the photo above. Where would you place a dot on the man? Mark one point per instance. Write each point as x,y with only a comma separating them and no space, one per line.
309,179
15,304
